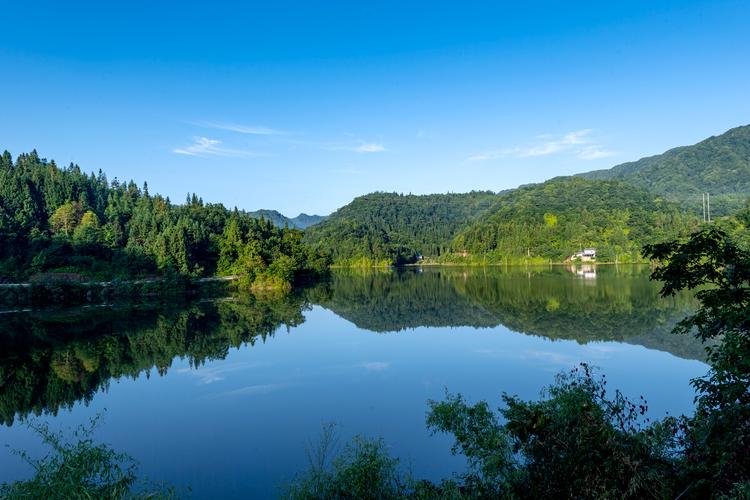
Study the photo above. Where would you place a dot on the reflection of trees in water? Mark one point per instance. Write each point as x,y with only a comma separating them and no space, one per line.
621,304
51,361
393,301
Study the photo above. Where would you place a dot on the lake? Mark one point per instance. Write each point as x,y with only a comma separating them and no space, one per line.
225,396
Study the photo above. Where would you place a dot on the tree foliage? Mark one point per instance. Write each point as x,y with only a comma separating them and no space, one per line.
717,438
80,468
390,228
61,220
539,223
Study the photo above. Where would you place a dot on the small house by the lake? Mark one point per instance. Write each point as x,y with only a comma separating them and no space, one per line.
586,255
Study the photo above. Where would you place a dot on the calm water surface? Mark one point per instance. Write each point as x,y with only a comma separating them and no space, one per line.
225,396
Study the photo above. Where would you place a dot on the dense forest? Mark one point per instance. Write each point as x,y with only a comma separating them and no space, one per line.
62,222
394,228
719,165
552,221
617,211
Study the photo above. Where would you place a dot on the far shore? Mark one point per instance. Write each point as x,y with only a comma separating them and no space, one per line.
492,264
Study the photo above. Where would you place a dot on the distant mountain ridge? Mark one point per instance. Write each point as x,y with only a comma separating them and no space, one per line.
719,165
616,210
302,221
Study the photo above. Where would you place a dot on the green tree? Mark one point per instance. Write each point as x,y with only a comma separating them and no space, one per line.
717,438
66,218
87,230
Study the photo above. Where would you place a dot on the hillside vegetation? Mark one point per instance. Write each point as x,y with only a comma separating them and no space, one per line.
719,165
553,220
616,210
61,221
395,228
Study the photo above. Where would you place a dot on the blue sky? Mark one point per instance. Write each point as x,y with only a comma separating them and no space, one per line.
303,106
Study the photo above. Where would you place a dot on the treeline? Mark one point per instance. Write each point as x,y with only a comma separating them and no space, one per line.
61,222
391,228
554,220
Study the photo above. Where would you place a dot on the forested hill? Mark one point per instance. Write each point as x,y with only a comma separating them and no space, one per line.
719,165
302,221
396,228
551,221
61,220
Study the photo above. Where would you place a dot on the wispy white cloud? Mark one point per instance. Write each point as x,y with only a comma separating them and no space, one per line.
556,358
242,129
369,147
376,366
594,153
362,147
203,146
566,142
578,142
210,374
252,390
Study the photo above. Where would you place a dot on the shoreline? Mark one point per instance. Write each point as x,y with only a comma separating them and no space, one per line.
492,264
28,284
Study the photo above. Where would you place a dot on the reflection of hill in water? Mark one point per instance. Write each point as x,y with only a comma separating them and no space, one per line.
617,304
392,301
50,361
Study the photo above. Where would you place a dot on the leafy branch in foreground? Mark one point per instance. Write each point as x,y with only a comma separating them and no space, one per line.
717,438
363,470
77,467
576,441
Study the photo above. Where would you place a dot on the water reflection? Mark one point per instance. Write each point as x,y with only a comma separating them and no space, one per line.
585,271
51,360
620,304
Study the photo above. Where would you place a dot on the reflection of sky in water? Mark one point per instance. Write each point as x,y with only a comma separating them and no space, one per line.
239,426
